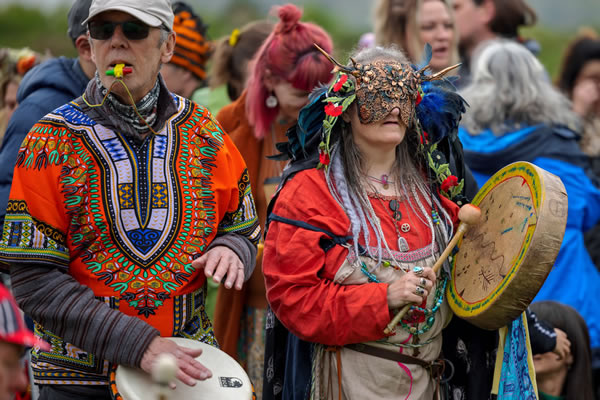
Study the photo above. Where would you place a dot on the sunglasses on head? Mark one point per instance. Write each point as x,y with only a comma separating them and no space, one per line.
133,30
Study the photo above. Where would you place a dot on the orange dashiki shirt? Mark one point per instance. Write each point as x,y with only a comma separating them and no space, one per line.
126,221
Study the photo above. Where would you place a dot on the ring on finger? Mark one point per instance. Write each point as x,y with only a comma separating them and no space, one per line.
422,282
419,291
418,271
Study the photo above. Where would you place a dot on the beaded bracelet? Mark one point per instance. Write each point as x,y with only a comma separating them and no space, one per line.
439,299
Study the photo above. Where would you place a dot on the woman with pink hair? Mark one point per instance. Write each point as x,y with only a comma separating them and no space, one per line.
281,75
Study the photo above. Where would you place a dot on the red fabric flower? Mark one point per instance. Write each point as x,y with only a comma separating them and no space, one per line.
449,182
324,158
333,110
419,98
338,85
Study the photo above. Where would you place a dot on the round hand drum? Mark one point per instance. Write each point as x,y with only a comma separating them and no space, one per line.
504,260
228,382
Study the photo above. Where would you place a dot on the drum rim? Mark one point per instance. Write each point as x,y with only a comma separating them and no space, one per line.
476,311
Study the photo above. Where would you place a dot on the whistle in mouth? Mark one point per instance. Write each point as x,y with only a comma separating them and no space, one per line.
119,70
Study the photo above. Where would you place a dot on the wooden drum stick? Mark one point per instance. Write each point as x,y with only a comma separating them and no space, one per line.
468,215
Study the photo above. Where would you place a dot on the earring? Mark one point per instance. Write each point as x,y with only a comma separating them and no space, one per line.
271,101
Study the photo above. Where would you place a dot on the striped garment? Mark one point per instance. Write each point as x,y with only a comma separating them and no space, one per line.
100,235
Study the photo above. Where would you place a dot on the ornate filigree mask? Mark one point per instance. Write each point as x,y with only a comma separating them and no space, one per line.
382,86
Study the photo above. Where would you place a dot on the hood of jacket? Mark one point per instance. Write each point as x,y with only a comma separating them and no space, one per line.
487,152
65,75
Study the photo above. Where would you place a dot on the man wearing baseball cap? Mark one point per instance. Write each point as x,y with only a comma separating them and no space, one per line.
123,202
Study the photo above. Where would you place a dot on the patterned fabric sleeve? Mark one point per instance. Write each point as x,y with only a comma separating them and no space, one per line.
239,217
36,225
243,220
239,229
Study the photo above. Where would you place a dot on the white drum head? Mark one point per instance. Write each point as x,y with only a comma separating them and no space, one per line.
228,382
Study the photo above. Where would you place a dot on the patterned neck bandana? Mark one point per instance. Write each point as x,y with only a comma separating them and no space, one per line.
126,113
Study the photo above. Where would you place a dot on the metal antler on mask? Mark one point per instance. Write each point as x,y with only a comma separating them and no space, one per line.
438,75
339,67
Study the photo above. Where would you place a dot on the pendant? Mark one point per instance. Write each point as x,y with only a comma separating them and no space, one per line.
403,244
385,182
395,207
405,228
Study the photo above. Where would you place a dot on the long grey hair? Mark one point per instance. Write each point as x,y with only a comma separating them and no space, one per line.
510,90
347,167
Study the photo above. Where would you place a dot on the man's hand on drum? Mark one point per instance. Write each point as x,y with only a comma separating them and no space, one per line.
221,261
189,370
410,288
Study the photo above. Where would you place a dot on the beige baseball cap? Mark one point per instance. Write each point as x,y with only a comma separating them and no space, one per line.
151,12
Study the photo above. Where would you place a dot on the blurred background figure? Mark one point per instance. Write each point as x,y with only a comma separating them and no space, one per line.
8,102
569,377
481,20
390,22
14,64
516,114
229,67
579,79
186,72
46,87
432,21
227,78
282,74
410,24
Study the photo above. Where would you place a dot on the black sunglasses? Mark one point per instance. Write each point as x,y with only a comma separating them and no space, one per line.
133,30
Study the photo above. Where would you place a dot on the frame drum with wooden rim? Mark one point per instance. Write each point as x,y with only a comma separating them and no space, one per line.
504,260
229,381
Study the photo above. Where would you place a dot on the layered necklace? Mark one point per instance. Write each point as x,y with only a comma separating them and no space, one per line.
392,209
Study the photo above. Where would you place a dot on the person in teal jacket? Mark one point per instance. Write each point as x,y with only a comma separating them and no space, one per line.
516,114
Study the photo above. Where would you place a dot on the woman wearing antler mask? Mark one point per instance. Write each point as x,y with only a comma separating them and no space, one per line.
365,209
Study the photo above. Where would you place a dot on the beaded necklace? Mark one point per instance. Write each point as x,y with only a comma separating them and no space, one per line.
429,314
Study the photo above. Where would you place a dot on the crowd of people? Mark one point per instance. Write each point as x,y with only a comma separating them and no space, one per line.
255,194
